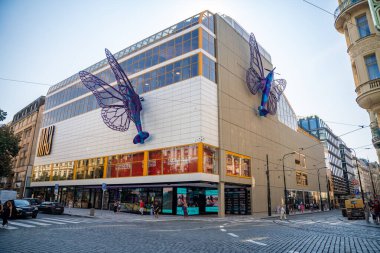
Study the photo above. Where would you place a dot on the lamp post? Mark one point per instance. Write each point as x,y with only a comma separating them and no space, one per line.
360,181
285,191
319,185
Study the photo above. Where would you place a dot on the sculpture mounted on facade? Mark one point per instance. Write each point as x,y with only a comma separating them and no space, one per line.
120,104
270,88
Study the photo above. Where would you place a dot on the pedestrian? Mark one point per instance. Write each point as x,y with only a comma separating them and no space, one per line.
1,210
7,212
282,213
278,209
115,204
302,207
367,212
118,207
376,209
141,207
184,209
156,209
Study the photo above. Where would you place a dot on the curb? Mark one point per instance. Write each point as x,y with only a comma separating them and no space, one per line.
363,225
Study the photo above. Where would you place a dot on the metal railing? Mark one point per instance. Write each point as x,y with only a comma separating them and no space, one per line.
345,5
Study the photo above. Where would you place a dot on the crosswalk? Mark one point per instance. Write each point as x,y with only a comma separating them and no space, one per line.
45,222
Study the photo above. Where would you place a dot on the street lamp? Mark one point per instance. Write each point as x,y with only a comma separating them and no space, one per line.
285,191
319,185
360,181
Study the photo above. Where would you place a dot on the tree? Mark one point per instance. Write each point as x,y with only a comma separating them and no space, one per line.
8,149
2,115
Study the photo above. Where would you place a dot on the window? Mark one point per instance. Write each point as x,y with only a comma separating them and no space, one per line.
127,165
301,178
362,25
237,165
372,68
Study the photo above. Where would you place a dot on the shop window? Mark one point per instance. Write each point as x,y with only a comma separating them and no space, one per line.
127,165
210,161
41,173
237,165
177,160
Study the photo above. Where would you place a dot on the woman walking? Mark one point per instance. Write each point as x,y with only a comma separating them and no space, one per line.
7,213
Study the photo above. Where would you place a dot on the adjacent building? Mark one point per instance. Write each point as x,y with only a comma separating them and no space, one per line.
338,157
25,124
207,145
354,20
366,178
375,177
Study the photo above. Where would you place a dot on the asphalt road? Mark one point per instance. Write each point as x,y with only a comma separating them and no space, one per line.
319,232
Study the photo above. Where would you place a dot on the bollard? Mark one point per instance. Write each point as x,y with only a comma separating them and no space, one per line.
92,212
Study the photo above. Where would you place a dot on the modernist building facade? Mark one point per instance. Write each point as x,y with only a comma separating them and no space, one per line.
206,146
338,157
354,20
25,124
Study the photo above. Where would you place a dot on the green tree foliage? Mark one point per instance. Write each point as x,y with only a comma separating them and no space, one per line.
2,115
8,149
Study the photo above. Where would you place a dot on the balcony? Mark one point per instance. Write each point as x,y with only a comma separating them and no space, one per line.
369,95
342,8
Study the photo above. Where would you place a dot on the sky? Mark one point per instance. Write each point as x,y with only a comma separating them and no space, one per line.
48,41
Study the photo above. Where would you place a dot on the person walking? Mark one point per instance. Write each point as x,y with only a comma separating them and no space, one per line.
282,213
184,208
141,207
115,204
302,207
156,209
7,213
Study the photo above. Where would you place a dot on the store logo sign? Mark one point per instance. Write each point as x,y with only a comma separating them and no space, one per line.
45,141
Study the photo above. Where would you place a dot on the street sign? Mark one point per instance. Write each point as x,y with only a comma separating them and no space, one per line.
356,191
104,186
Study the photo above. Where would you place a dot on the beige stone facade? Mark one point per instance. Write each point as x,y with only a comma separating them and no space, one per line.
26,124
359,47
243,132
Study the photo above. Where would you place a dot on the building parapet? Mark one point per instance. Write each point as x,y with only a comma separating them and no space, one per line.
300,130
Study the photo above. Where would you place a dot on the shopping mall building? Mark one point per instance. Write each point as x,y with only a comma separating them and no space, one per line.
207,143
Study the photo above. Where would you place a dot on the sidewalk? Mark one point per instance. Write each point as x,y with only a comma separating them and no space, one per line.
110,215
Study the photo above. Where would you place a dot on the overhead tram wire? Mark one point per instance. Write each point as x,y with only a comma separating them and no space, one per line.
21,81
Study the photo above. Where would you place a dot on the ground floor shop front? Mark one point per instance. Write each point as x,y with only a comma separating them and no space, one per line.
200,198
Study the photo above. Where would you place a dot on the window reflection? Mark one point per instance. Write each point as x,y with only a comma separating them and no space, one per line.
90,168
41,173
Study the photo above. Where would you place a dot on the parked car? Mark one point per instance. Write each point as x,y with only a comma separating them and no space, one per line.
51,207
33,201
22,209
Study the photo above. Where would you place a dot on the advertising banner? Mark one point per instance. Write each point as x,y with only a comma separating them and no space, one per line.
212,204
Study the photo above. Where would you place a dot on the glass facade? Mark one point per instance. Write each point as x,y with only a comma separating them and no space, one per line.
41,173
166,51
238,165
171,73
208,69
207,19
63,171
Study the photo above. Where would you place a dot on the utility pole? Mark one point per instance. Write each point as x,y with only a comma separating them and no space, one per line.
268,190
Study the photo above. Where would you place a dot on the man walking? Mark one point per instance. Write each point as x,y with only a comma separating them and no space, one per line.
141,207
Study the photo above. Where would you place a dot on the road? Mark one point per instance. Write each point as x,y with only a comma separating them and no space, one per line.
318,232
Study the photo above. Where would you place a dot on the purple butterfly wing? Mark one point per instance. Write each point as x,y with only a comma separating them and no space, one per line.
114,113
125,86
255,74
278,87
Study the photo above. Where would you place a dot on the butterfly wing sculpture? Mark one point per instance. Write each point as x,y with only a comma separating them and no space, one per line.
270,88
120,104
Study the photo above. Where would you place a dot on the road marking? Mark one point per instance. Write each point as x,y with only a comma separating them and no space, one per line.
54,222
223,230
62,220
9,227
37,223
233,235
22,225
221,226
258,243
